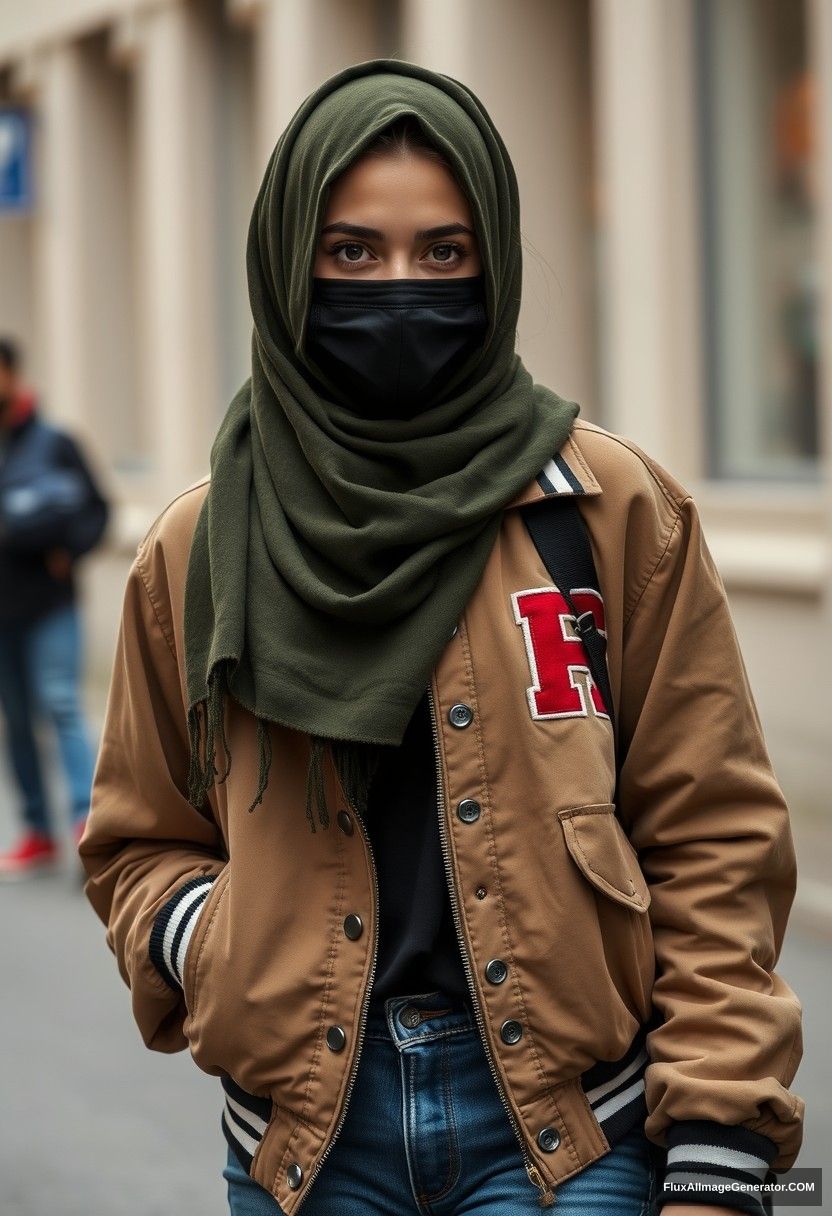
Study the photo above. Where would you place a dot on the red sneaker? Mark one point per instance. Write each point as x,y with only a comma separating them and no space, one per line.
34,851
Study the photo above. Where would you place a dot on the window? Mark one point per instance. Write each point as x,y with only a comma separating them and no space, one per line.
757,141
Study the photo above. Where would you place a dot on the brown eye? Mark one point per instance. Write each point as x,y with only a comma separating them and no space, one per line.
449,254
342,258
350,253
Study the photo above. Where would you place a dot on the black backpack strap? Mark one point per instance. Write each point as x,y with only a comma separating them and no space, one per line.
561,538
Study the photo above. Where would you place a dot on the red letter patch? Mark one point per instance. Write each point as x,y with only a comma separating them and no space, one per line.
562,684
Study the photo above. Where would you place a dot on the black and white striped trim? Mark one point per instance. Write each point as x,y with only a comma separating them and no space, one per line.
615,1088
173,926
702,1153
244,1120
556,477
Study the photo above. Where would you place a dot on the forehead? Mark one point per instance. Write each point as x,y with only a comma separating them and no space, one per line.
397,189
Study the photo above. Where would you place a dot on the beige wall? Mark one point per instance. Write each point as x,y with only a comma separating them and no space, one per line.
155,122
35,22
530,64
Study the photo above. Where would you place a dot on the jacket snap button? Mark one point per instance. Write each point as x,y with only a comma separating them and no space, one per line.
511,1031
460,715
410,1016
294,1175
353,926
335,1038
496,971
468,810
455,631
548,1139
345,822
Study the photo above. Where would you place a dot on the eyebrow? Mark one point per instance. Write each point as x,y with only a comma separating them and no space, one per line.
423,234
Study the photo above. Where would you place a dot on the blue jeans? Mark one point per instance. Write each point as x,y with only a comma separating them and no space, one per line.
426,1134
40,674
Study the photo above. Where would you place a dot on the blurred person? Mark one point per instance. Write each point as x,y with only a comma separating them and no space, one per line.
51,512
522,964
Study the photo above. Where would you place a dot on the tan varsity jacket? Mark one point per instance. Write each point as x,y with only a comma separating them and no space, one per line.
639,938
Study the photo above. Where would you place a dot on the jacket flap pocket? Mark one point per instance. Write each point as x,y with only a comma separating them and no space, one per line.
599,845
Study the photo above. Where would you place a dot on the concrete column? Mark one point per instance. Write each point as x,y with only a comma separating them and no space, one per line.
300,43
441,35
176,199
530,69
82,216
629,61
59,240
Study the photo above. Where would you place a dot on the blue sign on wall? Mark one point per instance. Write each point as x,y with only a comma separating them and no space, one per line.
15,158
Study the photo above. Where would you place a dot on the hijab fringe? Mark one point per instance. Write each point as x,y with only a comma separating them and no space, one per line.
264,747
205,724
355,762
315,784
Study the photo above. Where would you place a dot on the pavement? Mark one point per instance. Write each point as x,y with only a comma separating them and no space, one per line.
94,1124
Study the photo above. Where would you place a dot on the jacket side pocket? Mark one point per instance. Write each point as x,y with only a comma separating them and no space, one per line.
201,930
600,847
174,925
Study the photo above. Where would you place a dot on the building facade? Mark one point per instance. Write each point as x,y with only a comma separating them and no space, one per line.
675,166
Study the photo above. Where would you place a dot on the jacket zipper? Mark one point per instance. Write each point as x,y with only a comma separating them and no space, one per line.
363,1017
546,1198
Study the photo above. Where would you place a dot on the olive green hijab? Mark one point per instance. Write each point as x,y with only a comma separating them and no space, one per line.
334,553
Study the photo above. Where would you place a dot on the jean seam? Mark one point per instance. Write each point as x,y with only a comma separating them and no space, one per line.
450,1032
454,1157
409,1122
648,1207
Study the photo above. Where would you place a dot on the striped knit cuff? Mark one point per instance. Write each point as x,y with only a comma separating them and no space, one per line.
703,1154
173,926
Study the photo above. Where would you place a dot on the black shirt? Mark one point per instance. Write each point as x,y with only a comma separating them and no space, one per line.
418,949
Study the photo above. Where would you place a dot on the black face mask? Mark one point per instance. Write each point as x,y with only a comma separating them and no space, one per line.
390,344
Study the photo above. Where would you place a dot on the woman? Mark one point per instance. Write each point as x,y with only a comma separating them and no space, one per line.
464,993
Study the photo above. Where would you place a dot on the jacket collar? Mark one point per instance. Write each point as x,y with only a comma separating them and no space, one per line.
566,473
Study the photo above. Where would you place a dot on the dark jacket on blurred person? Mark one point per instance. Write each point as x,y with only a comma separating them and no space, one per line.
31,451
